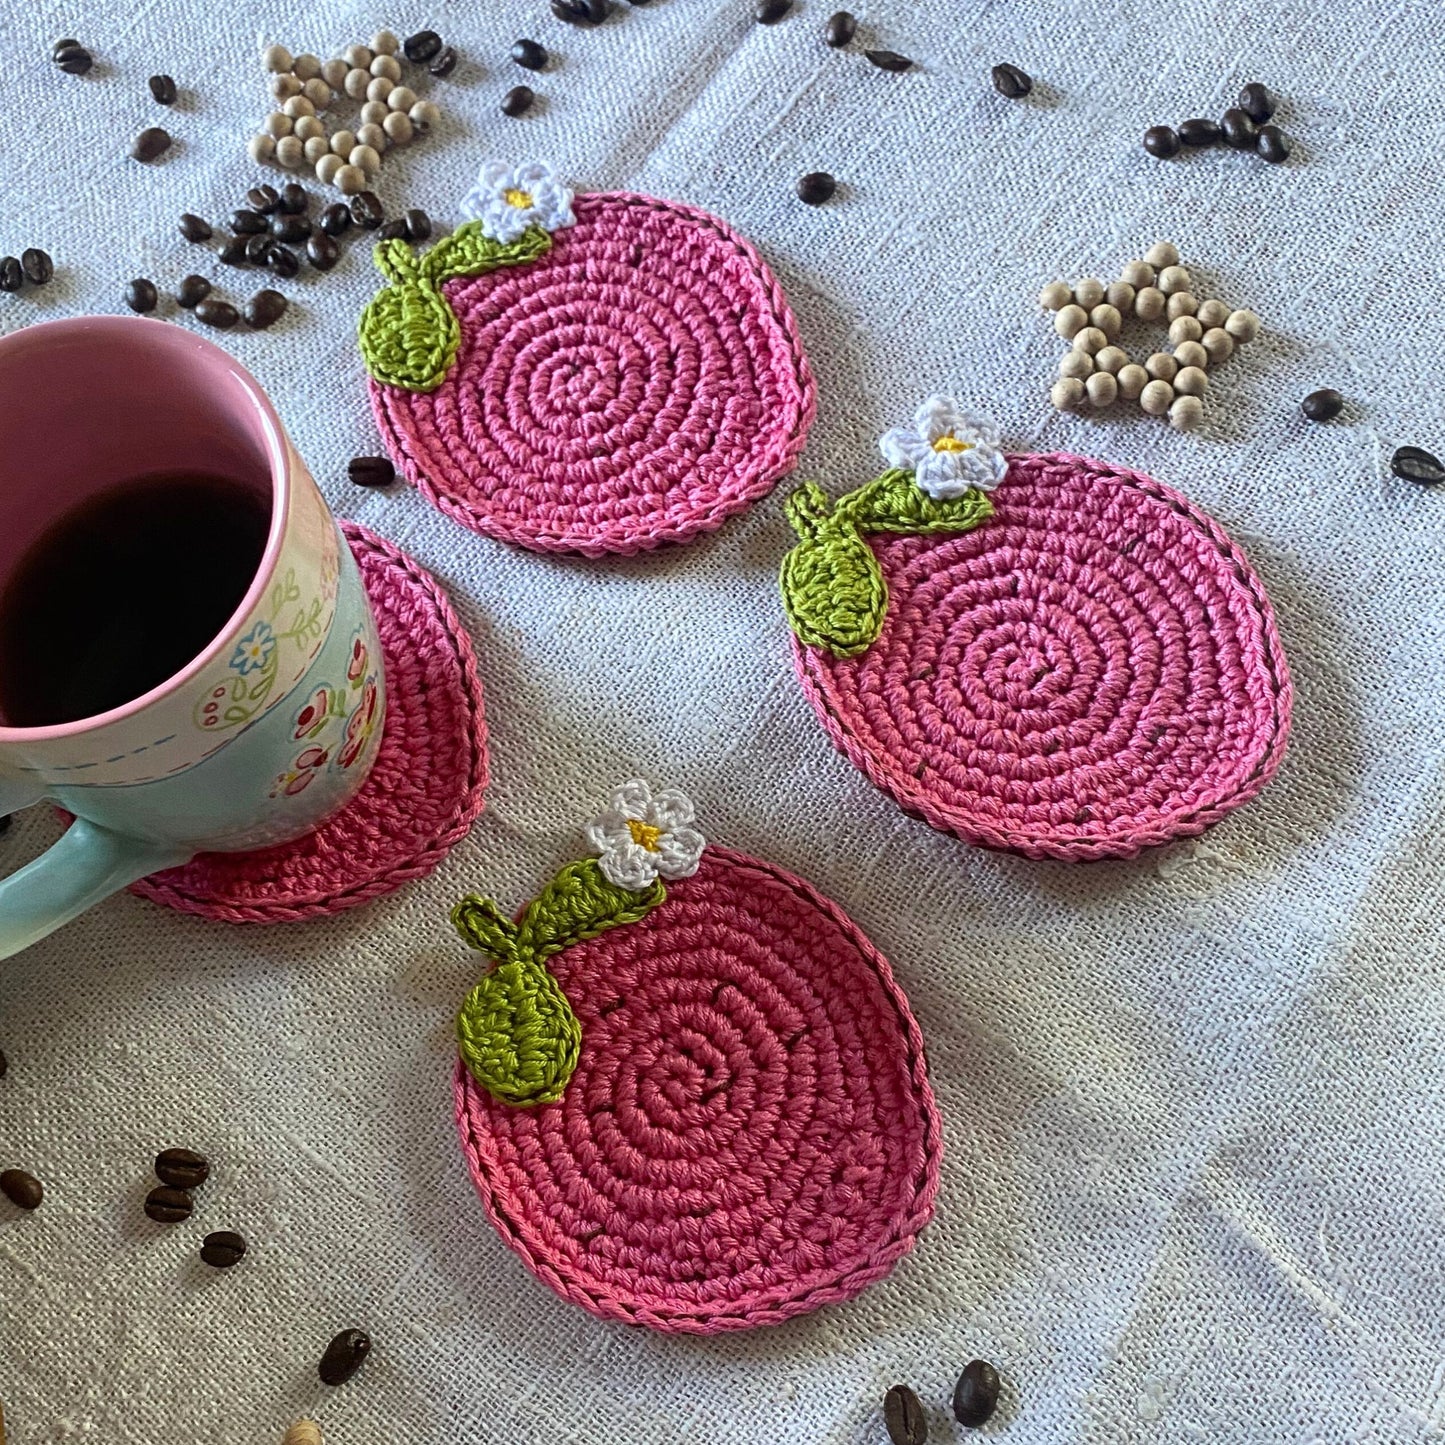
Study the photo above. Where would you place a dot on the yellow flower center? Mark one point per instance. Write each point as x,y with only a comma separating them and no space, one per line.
950,443
520,199
644,834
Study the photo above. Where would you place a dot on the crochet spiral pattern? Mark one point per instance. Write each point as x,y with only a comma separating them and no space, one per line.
1094,671
637,384
749,1133
424,791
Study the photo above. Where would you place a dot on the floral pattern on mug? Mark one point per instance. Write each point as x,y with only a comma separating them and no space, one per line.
254,650
350,708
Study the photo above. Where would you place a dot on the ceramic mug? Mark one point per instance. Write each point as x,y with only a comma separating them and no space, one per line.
276,723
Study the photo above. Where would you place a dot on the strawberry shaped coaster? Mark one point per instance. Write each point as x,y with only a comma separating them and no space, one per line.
700,1105
588,374
1044,654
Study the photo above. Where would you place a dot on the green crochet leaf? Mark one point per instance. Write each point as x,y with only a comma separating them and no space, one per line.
895,502
580,903
467,252
485,927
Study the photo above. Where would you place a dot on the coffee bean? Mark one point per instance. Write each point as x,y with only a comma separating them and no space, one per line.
12,274
194,228
289,227
1161,141
1237,129
263,198
249,223
1010,81
163,89
1415,464
816,187
1272,145
840,29
580,12
258,247
597,10
168,1206
889,60
443,62
421,46
65,44
529,55
371,471
976,1395
344,1356
366,210
141,295
182,1168
265,308
233,253
418,225
37,265
769,12
518,100
151,144
282,261
294,199
4,1062
223,1250
220,314
392,231
336,219
1323,405
23,1190
903,1417
1199,132
1256,102
74,59
322,251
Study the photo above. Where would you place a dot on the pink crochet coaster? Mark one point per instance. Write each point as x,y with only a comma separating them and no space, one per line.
1090,669
632,378
747,1130
425,788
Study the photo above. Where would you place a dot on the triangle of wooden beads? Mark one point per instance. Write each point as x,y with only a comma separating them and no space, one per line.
297,138
1097,371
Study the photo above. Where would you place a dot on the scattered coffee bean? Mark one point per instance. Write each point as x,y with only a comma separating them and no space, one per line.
371,471
769,12
344,1356
163,89
151,144
258,247
195,228
263,198
443,62
816,187
294,199
518,100
840,30
233,253
249,223
215,312
976,1395
1199,132
1237,130
23,1190
12,273
903,1417
421,46
182,1168
394,230
336,219
289,227
580,12
529,55
1415,464
282,261
1272,145
168,1206
889,60
366,210
418,225
322,251
1010,81
265,308
597,10
223,1250
1256,102
74,59
141,295
65,44
1323,405
1161,141
37,265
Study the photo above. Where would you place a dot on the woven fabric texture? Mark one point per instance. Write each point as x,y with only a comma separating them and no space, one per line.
1192,1162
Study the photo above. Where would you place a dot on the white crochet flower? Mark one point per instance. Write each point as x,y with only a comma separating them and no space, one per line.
508,199
643,835
947,449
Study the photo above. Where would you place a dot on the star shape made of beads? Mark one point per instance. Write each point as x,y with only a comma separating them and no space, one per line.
1096,371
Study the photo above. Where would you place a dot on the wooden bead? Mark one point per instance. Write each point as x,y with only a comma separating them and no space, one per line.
1132,380
1090,340
1070,320
385,43
1157,397
402,98
327,166
1138,274
1219,344
283,87
398,128
1185,413
1149,303
317,92
1174,278
1185,328
365,157
358,57
315,148
290,152
298,106
1076,364
387,65
303,1432
308,126
1112,359
424,116
1055,296
261,148
381,86
278,123
357,83
1212,313
1089,292
1162,254
343,143
334,73
373,136
1191,381
1242,326
1102,388
374,112
1107,319
1068,393
1181,303
350,180
1191,353
1120,295
1161,366
276,58
306,67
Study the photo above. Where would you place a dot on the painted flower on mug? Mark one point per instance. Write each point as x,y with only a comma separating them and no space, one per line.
359,726
302,771
314,716
357,666
254,650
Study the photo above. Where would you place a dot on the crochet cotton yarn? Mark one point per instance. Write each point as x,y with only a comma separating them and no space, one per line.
749,1133
425,789
1094,670
639,383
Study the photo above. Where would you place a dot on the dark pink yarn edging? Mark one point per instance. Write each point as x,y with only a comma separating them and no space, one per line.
269,905
779,1303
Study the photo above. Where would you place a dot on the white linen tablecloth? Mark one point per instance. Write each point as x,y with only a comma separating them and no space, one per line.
1195,1129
